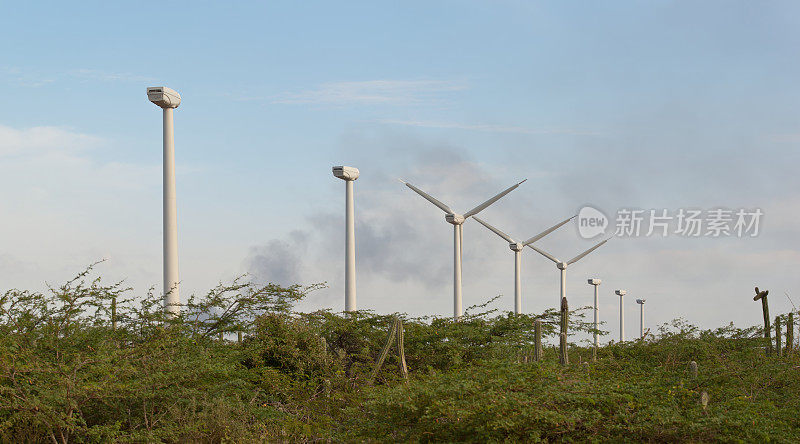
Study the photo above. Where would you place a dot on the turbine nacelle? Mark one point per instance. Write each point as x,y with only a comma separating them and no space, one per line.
640,301
163,96
621,292
516,246
562,265
455,219
345,172
594,281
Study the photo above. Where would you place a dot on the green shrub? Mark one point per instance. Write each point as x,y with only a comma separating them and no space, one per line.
67,375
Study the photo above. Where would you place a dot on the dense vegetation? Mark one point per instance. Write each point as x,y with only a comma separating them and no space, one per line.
70,374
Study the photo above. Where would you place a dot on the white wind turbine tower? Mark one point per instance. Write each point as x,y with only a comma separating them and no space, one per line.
169,99
458,234
517,247
621,294
596,283
641,317
563,265
349,175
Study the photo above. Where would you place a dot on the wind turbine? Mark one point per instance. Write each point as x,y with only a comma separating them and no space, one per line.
458,234
349,175
169,99
641,317
561,265
596,283
517,247
621,294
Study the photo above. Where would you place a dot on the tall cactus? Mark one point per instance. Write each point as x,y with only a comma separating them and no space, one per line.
401,352
395,333
114,313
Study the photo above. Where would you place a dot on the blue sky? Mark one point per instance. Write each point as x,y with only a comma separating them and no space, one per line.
624,104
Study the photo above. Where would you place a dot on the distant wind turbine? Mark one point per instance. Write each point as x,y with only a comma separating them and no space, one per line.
517,247
458,234
349,175
168,99
595,282
561,265
621,294
641,317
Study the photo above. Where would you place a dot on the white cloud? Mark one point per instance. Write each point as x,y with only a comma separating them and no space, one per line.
63,206
107,76
784,138
62,209
19,77
486,127
33,79
371,92
43,138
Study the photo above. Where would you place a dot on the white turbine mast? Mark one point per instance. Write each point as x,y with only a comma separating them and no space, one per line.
561,265
517,248
621,294
349,175
596,283
641,317
169,99
457,221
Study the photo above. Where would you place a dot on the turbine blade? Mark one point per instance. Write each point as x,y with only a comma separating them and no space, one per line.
483,206
547,231
580,256
544,253
495,230
429,198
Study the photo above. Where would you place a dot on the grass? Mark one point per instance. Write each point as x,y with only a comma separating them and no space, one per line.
635,392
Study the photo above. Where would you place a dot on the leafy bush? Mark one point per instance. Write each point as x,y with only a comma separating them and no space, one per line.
85,362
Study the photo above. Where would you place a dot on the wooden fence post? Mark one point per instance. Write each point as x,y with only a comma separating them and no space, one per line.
564,353
765,309
778,336
537,340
